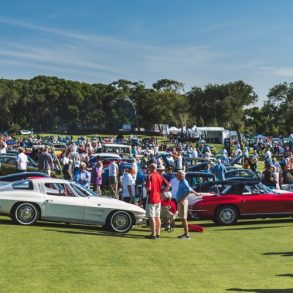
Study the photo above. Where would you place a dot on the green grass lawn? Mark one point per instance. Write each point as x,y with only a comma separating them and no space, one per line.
253,256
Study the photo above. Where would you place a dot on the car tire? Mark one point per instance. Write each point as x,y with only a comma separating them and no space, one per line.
226,215
120,221
26,214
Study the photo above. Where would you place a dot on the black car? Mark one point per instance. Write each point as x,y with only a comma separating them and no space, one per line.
241,173
21,176
200,181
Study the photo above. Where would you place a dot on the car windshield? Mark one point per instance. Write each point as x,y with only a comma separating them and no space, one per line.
81,191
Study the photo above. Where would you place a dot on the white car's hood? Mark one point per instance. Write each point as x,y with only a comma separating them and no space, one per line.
111,202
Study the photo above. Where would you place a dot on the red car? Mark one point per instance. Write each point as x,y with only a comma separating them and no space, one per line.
229,201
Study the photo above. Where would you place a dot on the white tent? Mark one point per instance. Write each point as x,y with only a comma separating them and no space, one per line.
174,130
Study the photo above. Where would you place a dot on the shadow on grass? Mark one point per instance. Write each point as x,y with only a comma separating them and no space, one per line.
287,290
244,222
79,229
98,232
285,275
250,228
289,253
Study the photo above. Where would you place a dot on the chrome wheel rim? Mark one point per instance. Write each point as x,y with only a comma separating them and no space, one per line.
26,214
121,222
227,216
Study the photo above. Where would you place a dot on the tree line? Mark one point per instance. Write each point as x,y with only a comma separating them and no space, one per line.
53,104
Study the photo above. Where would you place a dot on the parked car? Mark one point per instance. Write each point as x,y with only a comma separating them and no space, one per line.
229,201
241,173
200,181
8,165
21,176
25,132
106,158
141,175
57,200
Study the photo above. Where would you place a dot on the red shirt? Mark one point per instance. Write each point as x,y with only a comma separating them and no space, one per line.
171,203
154,184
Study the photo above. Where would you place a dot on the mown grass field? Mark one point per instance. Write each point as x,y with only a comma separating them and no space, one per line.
253,256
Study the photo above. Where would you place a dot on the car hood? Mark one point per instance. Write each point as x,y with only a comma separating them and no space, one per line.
114,203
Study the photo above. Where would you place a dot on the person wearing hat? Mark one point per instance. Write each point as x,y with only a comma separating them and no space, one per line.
182,203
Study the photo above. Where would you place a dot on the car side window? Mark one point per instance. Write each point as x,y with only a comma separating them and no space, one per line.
58,189
23,184
247,190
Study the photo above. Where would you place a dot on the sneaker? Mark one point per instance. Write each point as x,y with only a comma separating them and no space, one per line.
158,237
154,237
184,236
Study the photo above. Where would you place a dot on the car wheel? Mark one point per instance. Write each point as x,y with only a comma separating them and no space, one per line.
26,214
120,222
226,215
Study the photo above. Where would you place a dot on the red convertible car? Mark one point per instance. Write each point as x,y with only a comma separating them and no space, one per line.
228,201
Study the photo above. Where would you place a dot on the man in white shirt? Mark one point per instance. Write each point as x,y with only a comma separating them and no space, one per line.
21,161
174,187
128,186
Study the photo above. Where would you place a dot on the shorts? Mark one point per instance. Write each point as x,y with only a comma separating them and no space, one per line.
182,209
113,180
153,210
166,213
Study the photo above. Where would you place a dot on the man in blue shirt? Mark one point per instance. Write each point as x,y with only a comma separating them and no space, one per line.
183,191
219,170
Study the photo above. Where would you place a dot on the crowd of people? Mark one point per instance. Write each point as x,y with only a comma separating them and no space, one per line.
164,189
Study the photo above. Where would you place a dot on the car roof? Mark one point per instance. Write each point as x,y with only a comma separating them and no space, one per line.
106,155
200,174
116,145
48,180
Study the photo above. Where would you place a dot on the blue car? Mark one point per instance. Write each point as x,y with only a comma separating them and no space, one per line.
141,175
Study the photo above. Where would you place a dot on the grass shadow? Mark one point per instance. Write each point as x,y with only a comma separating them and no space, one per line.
287,290
250,228
285,275
249,222
98,232
288,253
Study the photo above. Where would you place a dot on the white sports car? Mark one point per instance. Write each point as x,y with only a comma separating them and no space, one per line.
49,199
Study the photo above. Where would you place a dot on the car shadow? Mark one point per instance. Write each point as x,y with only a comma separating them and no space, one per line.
248,222
250,228
287,290
98,232
285,275
6,222
287,253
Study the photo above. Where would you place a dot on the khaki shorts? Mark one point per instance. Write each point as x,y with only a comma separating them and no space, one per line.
166,213
153,210
183,209
113,180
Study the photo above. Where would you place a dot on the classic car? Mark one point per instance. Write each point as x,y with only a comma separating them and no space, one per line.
21,176
200,181
242,173
8,165
57,200
228,201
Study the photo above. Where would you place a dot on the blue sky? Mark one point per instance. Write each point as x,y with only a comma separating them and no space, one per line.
191,41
